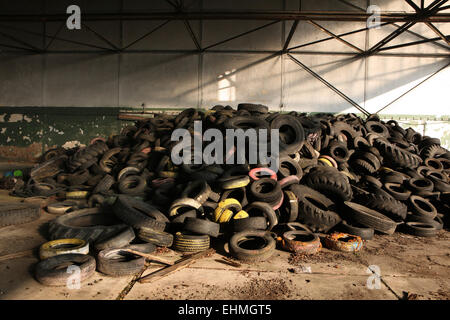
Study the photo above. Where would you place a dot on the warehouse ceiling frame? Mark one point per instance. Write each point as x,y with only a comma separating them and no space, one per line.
427,15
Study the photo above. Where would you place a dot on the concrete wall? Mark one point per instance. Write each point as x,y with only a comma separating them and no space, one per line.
73,75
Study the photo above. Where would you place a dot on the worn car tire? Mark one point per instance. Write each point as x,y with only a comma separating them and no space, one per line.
263,251
159,238
370,218
17,213
117,262
330,182
315,209
86,224
54,270
138,214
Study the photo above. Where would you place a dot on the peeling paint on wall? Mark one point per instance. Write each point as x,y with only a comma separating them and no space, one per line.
53,126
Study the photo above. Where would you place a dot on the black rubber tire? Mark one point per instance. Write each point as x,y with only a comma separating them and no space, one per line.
181,217
95,199
421,229
118,263
440,184
377,128
246,122
363,232
397,191
338,151
198,190
251,223
289,208
139,214
233,182
250,107
330,182
419,185
385,204
186,242
54,270
437,222
252,255
289,167
159,238
432,151
90,225
370,218
104,184
18,213
78,177
259,192
396,156
265,210
362,166
119,240
240,194
296,128
132,185
315,209
201,226
393,177
422,207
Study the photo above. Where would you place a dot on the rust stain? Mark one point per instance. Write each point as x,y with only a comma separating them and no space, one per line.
307,246
30,153
343,242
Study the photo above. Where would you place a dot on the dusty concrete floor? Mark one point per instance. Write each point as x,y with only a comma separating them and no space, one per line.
408,265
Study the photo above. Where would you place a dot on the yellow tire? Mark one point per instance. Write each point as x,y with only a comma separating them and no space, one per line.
63,246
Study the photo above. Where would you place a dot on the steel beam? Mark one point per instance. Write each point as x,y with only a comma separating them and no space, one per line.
98,35
145,35
192,35
336,37
414,43
290,35
54,37
31,47
331,38
213,15
439,33
329,85
427,12
239,35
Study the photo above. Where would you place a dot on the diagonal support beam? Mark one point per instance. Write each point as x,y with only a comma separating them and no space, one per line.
412,44
98,35
329,85
31,48
331,38
178,6
439,33
240,35
193,37
390,37
404,94
145,35
428,11
54,37
413,5
336,37
290,35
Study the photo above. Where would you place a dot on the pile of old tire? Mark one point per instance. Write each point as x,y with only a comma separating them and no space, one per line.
336,173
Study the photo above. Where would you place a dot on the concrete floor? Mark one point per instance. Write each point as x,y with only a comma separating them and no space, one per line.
417,267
